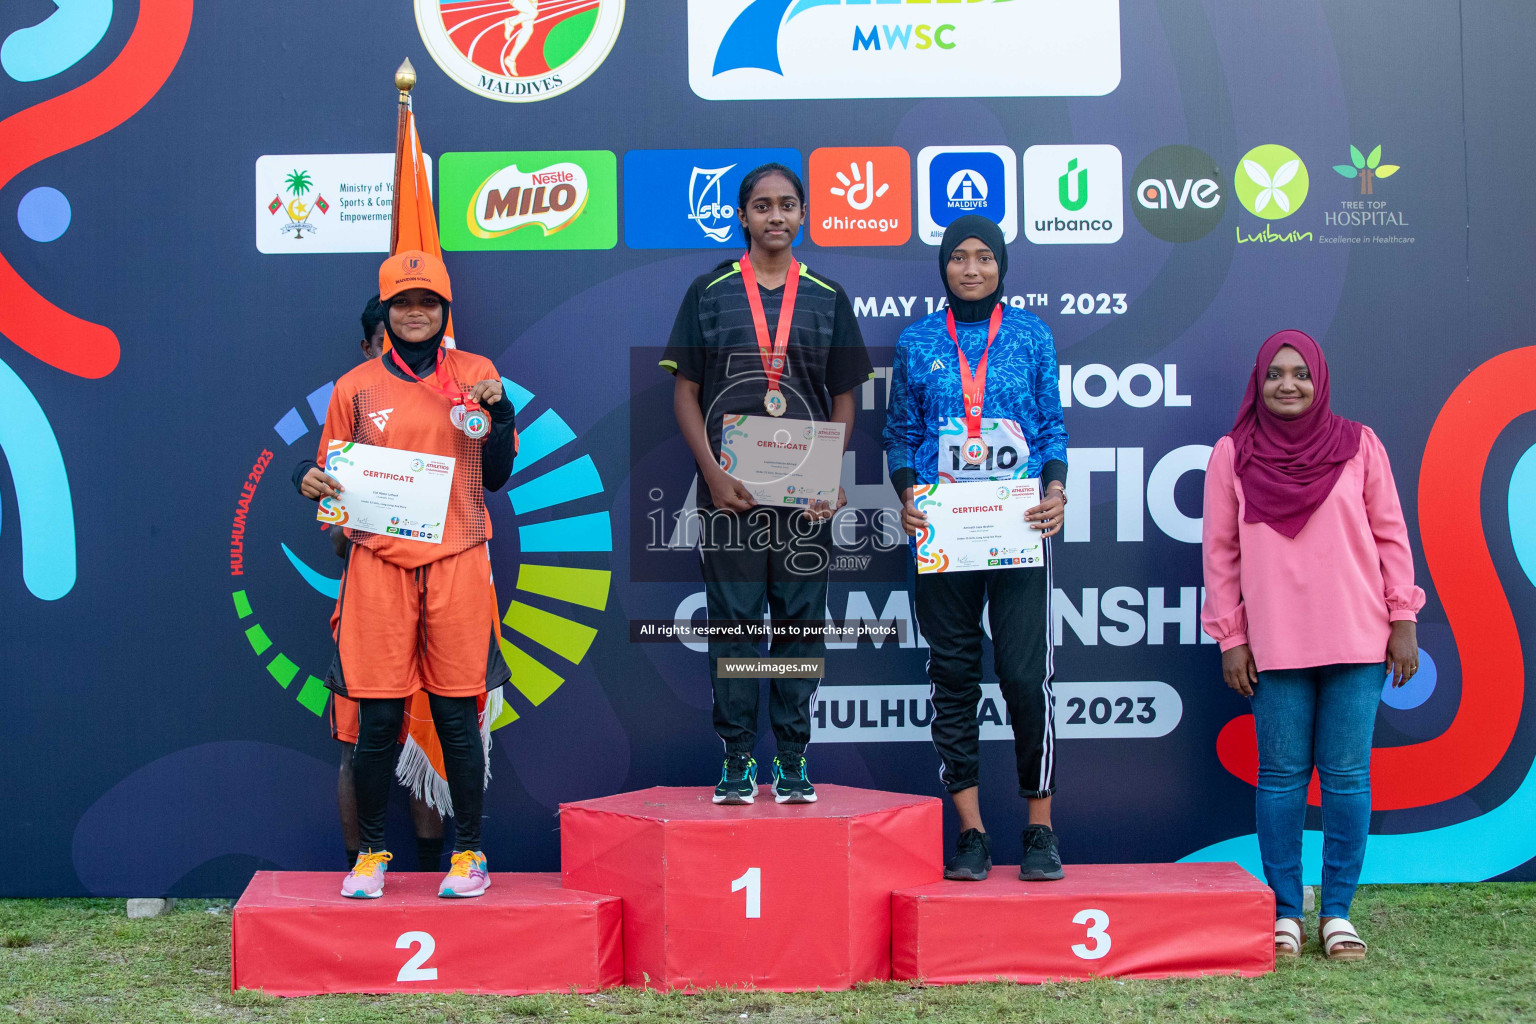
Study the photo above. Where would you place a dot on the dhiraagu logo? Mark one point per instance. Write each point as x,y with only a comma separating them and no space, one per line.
848,49
552,581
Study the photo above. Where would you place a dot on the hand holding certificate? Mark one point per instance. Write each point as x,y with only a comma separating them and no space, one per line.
978,525
388,491
783,462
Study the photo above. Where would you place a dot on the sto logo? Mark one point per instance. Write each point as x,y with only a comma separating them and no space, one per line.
36,325
1476,605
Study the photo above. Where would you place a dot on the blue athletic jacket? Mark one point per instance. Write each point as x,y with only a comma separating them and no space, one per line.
1021,386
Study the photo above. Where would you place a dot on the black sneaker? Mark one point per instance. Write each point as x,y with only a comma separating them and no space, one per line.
973,857
790,784
738,780
1042,855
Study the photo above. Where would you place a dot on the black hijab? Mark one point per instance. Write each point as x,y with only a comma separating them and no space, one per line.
420,356
973,226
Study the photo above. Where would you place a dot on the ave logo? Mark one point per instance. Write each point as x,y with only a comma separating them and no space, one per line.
1179,194
861,196
1072,195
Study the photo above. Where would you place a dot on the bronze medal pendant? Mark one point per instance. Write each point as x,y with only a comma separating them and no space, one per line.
974,451
773,351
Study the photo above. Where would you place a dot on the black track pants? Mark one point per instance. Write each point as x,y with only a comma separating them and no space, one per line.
949,608
756,557
373,764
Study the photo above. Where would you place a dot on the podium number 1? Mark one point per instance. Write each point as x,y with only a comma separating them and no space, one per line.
1097,921
752,881
413,971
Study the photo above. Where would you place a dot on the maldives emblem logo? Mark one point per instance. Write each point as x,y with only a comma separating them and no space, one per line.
519,51
298,206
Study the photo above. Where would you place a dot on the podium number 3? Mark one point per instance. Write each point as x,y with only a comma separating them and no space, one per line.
752,881
413,971
1097,921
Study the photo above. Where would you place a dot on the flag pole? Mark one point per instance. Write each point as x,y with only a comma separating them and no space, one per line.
405,81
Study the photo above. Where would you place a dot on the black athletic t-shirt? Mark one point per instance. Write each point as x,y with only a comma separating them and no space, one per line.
714,344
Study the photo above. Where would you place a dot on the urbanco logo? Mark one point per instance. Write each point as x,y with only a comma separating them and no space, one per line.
953,181
686,198
861,196
519,51
1178,193
1271,182
1072,194
854,49
535,200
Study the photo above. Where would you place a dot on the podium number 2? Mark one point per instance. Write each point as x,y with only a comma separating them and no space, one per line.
413,971
752,881
1097,921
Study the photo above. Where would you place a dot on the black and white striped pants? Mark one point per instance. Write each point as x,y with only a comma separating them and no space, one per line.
1018,602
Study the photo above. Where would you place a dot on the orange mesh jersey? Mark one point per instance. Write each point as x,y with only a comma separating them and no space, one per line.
370,405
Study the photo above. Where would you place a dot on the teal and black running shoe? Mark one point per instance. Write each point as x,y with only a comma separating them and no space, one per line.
790,784
738,780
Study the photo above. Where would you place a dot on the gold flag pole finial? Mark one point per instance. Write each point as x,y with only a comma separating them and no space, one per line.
405,79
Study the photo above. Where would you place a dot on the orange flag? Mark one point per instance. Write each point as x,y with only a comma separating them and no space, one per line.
413,225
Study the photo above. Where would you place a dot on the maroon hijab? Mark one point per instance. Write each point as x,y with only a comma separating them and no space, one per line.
1288,466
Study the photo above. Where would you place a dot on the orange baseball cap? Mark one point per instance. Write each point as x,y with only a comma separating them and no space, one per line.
413,269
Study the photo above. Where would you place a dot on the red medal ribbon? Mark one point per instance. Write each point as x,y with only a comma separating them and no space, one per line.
974,389
772,356
454,394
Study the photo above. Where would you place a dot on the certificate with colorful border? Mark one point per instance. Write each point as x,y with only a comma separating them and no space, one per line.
387,490
978,525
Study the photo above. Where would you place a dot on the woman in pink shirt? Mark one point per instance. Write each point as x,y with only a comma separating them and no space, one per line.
1309,591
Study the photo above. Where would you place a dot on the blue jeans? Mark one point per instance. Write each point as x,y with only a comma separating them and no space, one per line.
1322,716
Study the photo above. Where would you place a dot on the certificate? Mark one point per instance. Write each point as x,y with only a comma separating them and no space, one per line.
388,491
783,462
978,525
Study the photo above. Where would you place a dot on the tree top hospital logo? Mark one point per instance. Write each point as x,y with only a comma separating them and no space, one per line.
1073,194
855,49
1271,182
1177,193
953,181
686,198
519,51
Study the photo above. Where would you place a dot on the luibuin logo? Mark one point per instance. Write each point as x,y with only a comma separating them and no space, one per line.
1064,187
1367,169
1271,182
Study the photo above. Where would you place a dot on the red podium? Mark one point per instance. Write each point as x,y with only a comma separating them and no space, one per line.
296,935
775,896
1127,920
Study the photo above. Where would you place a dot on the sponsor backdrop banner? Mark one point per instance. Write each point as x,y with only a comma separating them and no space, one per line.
186,242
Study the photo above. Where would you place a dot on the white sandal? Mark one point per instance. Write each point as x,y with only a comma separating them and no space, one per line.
1341,941
1287,936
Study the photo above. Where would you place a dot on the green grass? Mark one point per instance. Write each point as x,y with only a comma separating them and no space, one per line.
1438,953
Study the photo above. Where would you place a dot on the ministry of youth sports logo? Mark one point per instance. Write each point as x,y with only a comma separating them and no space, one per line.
519,51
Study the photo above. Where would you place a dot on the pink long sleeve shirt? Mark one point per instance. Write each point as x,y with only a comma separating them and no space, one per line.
1326,597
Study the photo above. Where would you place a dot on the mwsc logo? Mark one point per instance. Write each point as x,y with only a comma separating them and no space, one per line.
852,49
